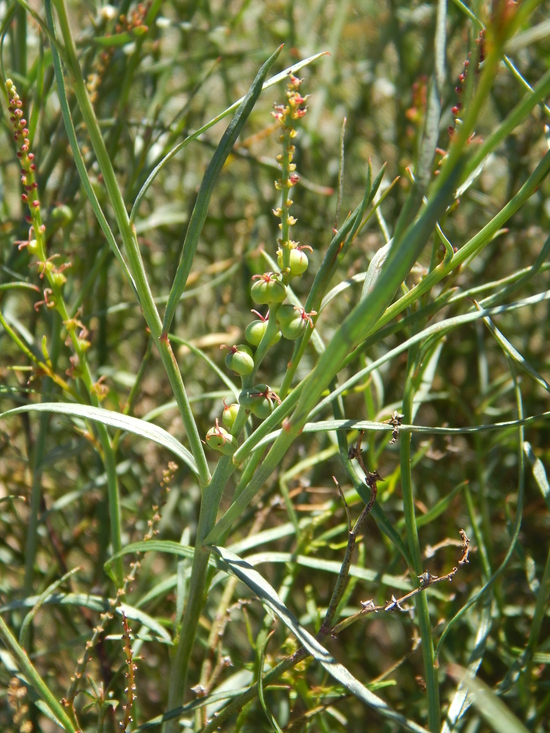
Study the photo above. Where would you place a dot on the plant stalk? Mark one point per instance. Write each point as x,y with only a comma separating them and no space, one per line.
421,600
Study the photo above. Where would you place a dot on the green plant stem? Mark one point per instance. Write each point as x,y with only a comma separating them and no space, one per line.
462,134
472,248
83,372
517,524
507,126
27,668
538,617
129,239
36,493
210,502
285,199
20,42
363,317
421,601
196,591
200,210
45,368
337,248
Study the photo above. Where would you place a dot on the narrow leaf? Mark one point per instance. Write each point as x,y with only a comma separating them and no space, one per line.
169,546
198,217
77,155
25,665
267,594
271,82
491,708
94,603
539,473
115,420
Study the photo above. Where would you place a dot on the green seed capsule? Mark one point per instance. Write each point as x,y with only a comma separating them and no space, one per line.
261,400
229,414
263,407
286,313
249,397
294,329
61,215
240,360
267,289
298,262
255,332
221,440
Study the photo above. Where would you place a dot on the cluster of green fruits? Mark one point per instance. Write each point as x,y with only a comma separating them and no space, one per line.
270,289
260,400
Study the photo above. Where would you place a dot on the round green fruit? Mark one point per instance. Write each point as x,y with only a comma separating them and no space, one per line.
294,329
263,406
229,414
221,440
255,332
267,289
240,360
286,313
249,397
298,262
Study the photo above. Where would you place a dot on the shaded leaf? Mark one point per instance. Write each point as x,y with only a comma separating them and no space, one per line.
488,705
267,594
114,420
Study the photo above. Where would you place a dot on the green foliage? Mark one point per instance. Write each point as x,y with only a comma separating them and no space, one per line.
222,565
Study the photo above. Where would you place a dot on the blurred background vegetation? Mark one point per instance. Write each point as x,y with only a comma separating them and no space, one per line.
195,59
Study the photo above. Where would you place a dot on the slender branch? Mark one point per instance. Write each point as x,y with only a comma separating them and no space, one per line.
432,684
426,580
129,238
27,668
353,533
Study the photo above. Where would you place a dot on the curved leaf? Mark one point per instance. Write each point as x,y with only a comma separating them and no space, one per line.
268,595
274,80
94,603
200,210
491,708
115,420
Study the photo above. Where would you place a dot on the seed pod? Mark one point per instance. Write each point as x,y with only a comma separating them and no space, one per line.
229,414
298,262
263,406
268,288
240,359
61,215
286,313
221,440
293,329
260,400
248,397
255,332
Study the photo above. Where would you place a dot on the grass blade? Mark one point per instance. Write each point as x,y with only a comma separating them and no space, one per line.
26,667
269,597
271,82
495,713
198,217
115,420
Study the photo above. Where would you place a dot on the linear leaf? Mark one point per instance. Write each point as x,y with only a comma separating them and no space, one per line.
169,546
115,420
267,594
25,665
198,217
271,82
488,705
325,426
78,159
539,473
94,603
